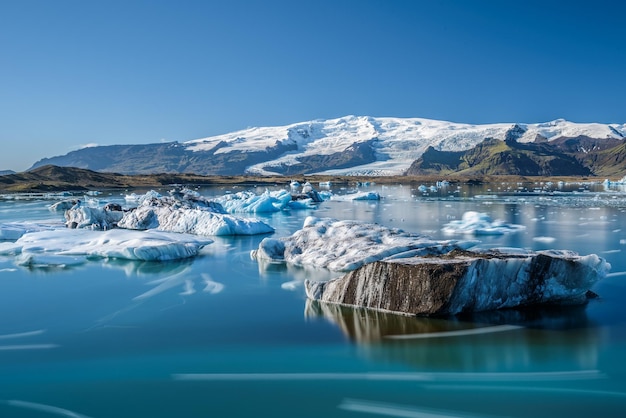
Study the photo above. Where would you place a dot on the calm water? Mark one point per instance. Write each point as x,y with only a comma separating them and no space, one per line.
222,336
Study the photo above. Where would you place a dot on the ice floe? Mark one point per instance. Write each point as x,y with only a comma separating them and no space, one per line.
72,246
342,245
477,223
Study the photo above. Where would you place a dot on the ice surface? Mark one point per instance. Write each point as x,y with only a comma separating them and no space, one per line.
478,223
345,245
66,246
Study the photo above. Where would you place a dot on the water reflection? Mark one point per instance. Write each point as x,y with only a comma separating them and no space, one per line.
506,340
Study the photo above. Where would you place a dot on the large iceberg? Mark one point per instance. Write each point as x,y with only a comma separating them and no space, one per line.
341,245
183,212
465,282
71,246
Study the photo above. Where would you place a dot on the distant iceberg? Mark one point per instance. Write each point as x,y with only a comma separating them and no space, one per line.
477,223
366,195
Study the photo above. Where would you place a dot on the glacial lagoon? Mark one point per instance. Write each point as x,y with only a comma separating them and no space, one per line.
223,335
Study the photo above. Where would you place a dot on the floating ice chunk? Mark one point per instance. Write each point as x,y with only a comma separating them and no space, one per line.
190,215
357,196
346,245
465,282
249,202
477,223
116,243
292,285
63,205
92,217
545,240
138,198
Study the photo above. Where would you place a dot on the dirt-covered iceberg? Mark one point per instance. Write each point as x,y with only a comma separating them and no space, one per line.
463,281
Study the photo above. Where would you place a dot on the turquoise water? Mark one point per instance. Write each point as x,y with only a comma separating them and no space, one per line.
220,335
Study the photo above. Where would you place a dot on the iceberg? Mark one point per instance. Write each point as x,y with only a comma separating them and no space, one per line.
464,281
356,196
80,216
476,223
63,246
189,213
249,202
341,245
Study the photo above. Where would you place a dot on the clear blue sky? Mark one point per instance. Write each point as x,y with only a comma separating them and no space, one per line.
130,72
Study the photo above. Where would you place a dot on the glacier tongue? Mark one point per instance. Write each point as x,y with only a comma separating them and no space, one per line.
465,282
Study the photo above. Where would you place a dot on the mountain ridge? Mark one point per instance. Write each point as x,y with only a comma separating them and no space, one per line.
351,145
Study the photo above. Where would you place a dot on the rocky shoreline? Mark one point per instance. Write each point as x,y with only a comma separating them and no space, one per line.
54,179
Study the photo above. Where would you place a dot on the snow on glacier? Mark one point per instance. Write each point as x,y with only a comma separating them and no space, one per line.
398,141
342,245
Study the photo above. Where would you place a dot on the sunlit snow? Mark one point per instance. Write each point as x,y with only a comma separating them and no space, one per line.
398,141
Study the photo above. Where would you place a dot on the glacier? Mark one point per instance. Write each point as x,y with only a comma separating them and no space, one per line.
398,141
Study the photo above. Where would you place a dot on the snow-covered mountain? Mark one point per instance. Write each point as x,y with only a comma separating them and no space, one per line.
351,145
